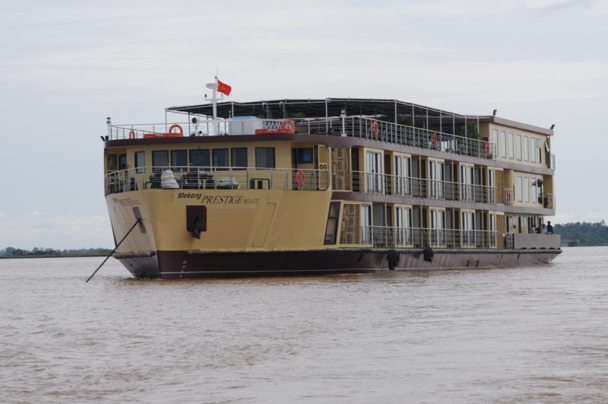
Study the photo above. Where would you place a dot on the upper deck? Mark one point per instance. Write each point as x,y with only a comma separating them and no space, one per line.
385,121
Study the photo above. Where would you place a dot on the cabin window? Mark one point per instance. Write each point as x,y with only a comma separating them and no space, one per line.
540,151
199,158
160,160
533,149
264,157
220,158
140,162
305,155
519,147
122,161
366,224
520,189
527,189
503,144
112,162
331,231
511,154
495,139
526,149
179,159
239,157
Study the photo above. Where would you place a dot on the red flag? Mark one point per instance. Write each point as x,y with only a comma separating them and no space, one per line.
223,88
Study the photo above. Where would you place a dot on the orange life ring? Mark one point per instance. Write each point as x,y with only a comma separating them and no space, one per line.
291,130
300,183
487,148
375,128
434,139
132,134
181,131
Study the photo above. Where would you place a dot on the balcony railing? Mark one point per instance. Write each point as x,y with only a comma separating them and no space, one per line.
212,178
410,237
421,188
352,126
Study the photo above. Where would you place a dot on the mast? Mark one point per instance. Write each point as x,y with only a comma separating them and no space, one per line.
214,100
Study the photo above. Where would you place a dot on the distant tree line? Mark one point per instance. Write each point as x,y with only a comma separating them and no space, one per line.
18,252
587,234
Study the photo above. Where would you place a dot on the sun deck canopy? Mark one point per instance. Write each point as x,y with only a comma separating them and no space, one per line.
392,110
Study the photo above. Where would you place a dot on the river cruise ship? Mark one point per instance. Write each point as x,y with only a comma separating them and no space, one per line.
327,186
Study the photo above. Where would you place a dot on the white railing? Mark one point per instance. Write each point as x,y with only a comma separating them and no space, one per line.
387,184
411,237
352,126
213,178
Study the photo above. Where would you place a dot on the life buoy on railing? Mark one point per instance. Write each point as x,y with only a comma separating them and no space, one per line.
434,139
487,148
375,128
132,134
291,129
303,180
181,131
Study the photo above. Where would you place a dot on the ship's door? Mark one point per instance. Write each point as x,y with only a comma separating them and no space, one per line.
366,224
374,172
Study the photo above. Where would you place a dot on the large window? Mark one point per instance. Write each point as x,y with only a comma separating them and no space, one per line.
533,150
511,154
140,161
374,172
199,158
503,144
179,159
495,139
526,150
305,155
220,157
264,157
239,157
520,189
540,151
331,230
122,161
519,147
366,224
160,160
527,189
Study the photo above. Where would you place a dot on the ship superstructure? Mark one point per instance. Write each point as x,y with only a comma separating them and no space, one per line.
327,186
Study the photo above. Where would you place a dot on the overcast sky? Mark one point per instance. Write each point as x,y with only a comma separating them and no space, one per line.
65,66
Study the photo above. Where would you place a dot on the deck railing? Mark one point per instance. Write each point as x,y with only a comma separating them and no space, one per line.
387,184
411,237
352,126
212,178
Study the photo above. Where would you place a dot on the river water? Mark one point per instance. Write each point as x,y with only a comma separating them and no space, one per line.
514,335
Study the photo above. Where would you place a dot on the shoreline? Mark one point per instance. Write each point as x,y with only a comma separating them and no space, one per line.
52,256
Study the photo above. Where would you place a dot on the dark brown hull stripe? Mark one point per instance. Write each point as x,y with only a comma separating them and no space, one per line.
199,264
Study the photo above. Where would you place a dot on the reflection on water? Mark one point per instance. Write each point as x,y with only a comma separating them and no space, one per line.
467,336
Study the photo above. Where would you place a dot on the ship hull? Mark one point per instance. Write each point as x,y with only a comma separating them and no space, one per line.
199,264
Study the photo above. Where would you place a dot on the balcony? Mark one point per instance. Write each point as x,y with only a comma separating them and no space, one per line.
385,184
410,237
350,126
214,178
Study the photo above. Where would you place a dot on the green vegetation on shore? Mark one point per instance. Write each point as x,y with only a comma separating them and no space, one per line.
587,234
49,252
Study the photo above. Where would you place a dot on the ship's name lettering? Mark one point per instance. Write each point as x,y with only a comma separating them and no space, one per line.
219,200
126,202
